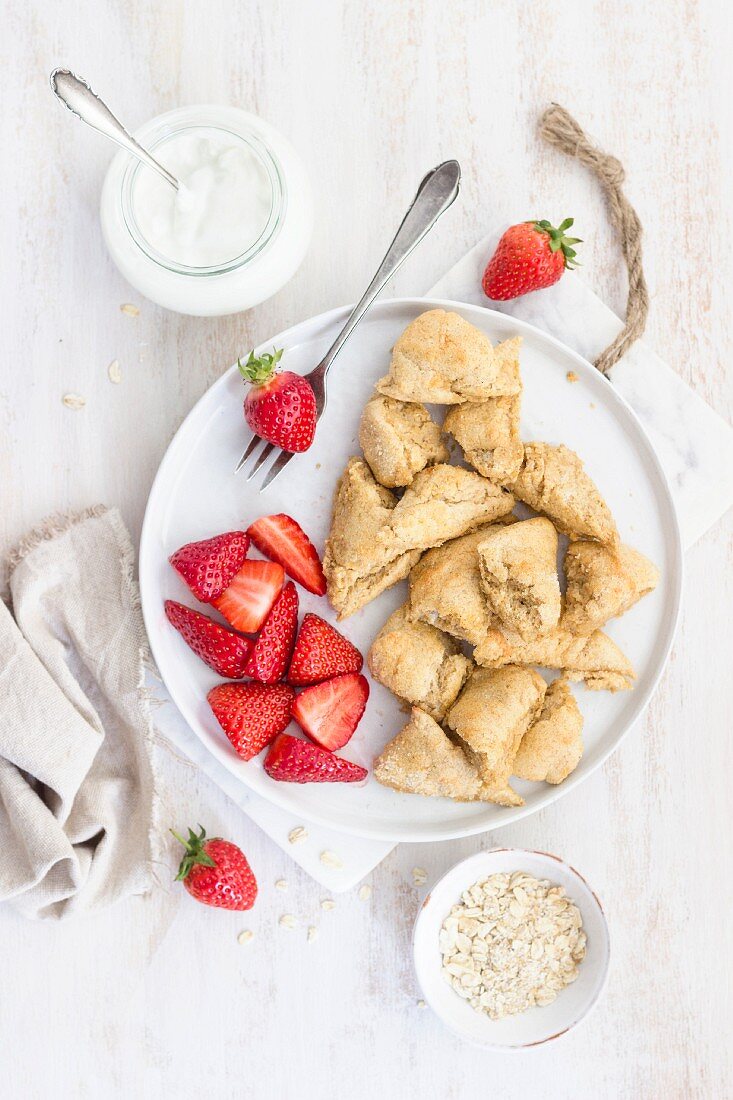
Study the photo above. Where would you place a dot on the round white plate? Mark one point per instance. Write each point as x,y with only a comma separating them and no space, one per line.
537,1025
197,494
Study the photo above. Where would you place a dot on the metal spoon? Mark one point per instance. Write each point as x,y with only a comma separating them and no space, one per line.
76,94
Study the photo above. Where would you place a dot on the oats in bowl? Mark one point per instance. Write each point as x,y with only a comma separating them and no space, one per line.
514,941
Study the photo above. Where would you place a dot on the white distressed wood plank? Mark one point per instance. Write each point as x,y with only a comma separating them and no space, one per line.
372,95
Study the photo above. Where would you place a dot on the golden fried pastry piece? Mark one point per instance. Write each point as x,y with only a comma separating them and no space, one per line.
356,568
398,440
422,759
552,481
518,567
488,432
502,796
492,714
418,663
551,748
603,583
442,503
594,658
445,588
441,358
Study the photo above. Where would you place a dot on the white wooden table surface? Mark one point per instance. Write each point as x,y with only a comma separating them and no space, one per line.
156,998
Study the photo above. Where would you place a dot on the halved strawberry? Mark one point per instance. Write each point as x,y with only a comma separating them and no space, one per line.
251,714
208,566
247,601
321,653
283,540
294,761
269,658
330,712
221,649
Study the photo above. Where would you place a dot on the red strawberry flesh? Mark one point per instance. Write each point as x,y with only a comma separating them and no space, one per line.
321,652
271,652
208,566
221,649
251,714
528,257
281,405
283,540
216,872
291,760
247,601
330,712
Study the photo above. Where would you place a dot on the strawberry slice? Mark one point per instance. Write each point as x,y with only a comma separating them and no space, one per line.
251,714
330,712
283,540
221,649
291,760
247,601
321,653
208,566
269,658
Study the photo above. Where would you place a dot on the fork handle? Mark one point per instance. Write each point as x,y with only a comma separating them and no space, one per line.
438,189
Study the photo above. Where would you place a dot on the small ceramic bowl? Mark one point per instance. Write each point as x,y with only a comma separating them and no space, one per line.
536,1025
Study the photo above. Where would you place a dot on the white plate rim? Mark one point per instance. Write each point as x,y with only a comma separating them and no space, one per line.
278,796
479,858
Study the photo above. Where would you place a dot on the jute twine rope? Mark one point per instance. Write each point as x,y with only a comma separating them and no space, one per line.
558,127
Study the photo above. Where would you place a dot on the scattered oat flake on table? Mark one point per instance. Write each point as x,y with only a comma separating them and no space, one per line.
421,1003
74,401
281,884
297,834
114,373
287,920
246,936
572,376
330,859
130,309
365,892
312,933
328,903
419,876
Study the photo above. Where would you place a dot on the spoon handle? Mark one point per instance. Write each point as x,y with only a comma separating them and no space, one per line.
76,94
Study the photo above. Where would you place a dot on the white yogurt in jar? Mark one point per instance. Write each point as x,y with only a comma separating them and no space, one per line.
221,208
233,233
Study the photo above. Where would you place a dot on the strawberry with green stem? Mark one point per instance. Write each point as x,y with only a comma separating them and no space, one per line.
280,405
529,256
216,872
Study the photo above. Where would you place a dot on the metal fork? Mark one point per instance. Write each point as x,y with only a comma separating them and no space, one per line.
437,191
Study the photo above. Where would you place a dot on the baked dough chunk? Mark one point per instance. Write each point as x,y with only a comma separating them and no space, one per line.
502,796
552,481
445,588
441,358
491,716
418,663
594,658
442,503
398,440
518,567
356,568
422,759
488,432
603,583
551,749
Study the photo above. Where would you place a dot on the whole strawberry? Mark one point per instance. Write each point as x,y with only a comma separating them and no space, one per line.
281,406
216,872
529,256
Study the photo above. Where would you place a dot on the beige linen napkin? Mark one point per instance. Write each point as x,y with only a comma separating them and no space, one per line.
76,775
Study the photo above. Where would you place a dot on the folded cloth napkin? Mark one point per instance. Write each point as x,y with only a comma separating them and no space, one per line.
76,774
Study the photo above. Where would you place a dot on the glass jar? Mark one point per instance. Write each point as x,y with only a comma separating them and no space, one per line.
243,280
